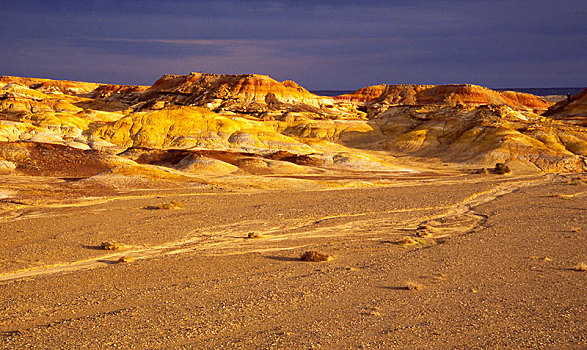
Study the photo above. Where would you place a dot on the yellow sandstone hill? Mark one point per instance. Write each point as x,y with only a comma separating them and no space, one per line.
180,127
52,86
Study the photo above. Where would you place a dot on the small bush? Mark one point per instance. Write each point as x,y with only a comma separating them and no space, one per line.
581,267
111,246
125,259
407,241
411,285
483,171
501,168
316,256
424,230
171,205
255,235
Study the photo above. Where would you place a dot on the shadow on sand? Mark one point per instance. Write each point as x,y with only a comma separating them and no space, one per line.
394,288
92,247
282,258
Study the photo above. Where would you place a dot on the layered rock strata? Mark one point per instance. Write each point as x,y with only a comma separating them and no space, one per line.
254,124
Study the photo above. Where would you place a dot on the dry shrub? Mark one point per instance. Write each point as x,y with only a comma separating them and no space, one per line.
576,229
581,267
255,235
501,168
412,285
314,255
111,246
125,259
407,241
538,258
423,234
374,311
424,230
483,171
170,205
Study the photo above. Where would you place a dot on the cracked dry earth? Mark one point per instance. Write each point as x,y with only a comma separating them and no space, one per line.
493,257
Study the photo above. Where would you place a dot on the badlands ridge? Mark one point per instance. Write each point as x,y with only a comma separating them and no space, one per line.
188,125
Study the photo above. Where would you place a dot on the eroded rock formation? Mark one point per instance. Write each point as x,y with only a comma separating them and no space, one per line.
446,95
230,124
574,110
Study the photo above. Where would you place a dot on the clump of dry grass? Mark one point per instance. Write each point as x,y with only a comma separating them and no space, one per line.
501,168
314,255
125,259
170,205
112,246
581,267
255,235
543,258
424,230
412,285
167,206
407,241
374,311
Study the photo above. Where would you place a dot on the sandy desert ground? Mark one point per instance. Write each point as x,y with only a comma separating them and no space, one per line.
492,265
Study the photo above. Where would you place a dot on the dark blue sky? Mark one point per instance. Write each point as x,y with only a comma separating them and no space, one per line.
319,44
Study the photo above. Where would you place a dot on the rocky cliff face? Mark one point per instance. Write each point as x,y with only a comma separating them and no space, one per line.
251,123
447,95
574,111
251,94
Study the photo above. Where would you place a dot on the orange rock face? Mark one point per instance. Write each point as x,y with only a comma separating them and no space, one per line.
244,86
248,93
575,110
450,95
108,90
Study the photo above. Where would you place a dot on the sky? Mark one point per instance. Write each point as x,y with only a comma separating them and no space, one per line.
322,45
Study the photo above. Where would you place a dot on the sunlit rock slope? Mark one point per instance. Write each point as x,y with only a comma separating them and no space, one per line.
232,124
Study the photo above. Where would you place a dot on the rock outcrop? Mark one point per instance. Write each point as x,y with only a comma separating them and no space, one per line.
446,95
194,127
484,136
51,86
574,110
42,159
251,94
